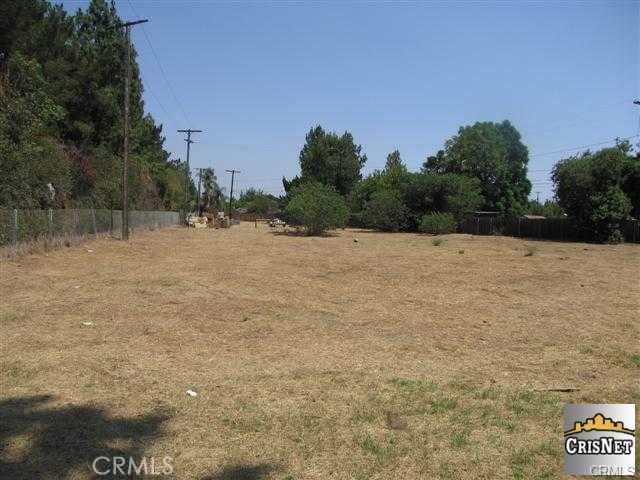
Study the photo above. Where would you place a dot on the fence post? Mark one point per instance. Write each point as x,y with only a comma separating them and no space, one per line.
93,219
111,221
50,223
477,225
15,226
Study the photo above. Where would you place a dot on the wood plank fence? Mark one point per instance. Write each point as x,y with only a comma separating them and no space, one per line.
543,228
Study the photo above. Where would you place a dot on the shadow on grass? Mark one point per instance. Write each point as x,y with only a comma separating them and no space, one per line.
243,472
43,442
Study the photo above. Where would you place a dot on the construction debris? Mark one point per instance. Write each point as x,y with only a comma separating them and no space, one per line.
196,221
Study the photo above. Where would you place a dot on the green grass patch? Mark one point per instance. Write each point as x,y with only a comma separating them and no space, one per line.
381,450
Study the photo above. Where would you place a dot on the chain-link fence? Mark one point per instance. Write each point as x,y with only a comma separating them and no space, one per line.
18,226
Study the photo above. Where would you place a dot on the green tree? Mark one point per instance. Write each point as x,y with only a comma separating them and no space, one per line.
598,190
257,201
549,208
330,159
212,196
385,211
394,162
495,155
317,207
458,195
30,159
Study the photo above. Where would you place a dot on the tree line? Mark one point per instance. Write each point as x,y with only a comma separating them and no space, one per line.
482,167
61,121
61,127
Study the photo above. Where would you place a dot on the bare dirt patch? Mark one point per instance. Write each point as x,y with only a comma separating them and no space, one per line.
390,357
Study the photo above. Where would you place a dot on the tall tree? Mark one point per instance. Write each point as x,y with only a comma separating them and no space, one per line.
494,154
394,162
331,159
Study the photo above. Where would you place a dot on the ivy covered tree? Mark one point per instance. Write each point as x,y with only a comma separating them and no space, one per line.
61,125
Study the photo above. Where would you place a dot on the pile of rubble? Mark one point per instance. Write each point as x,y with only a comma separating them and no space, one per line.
211,220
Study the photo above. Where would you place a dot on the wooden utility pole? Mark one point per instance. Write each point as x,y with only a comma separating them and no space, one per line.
233,174
125,157
188,131
199,184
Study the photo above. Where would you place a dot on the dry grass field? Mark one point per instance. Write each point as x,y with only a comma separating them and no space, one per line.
312,357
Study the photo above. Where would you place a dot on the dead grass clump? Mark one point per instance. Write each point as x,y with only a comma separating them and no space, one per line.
45,245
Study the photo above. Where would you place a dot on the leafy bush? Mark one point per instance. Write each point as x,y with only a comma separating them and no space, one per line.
531,251
438,223
317,207
610,210
385,211
450,193
436,242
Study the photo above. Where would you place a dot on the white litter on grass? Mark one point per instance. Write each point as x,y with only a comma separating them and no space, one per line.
77,286
191,393
87,324
89,250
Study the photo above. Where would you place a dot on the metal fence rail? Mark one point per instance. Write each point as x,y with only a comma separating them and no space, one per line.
18,226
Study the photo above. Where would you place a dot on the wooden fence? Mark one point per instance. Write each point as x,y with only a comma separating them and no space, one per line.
543,228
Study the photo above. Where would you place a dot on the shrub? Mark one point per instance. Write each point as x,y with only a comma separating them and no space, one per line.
610,211
385,211
436,242
438,223
531,251
317,207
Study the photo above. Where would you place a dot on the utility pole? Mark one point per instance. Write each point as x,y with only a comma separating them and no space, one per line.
233,174
538,197
199,184
125,157
188,131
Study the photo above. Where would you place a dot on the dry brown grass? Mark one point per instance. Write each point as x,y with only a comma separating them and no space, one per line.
312,357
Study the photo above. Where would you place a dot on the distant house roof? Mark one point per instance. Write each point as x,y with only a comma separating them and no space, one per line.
535,217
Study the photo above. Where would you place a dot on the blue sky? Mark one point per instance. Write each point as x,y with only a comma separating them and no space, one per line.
256,76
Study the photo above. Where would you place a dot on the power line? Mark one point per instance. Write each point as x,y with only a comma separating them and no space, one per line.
577,118
582,147
164,75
